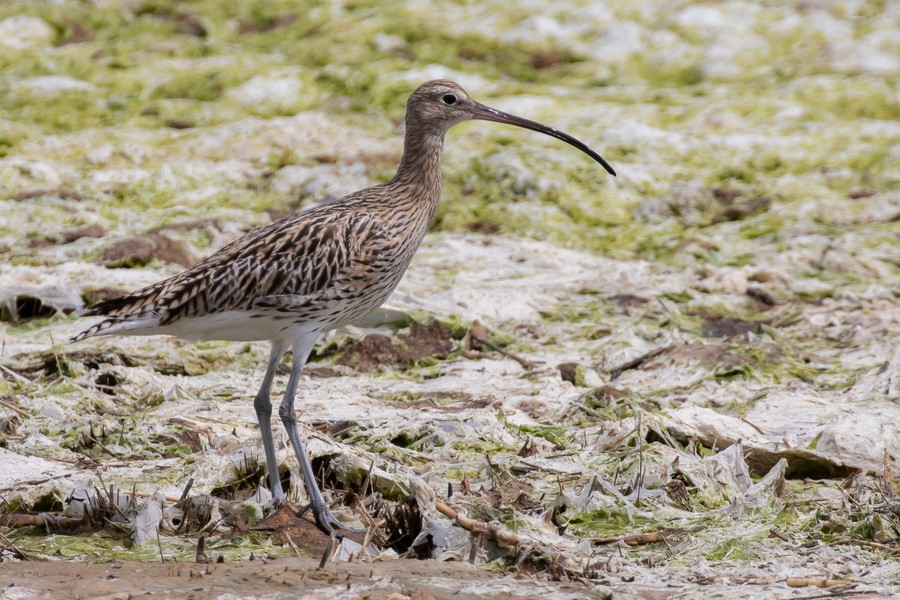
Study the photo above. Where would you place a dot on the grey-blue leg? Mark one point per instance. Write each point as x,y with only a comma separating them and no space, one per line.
324,519
263,406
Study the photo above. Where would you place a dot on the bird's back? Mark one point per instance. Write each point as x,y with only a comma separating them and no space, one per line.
320,268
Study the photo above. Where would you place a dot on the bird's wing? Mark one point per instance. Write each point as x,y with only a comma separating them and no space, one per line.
305,255
368,260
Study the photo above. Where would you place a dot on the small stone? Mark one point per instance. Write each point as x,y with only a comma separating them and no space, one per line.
91,231
580,375
567,371
140,250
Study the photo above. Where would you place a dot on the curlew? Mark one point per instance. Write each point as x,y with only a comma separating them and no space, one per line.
293,279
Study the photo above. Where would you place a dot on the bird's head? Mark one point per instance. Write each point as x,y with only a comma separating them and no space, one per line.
441,104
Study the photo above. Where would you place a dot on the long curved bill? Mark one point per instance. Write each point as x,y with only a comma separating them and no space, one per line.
486,113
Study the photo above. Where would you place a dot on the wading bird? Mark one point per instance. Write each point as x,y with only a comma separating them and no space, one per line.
289,281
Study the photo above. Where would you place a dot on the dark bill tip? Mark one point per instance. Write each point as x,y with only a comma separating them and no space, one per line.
486,113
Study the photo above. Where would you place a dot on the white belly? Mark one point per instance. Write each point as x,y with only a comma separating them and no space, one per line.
232,326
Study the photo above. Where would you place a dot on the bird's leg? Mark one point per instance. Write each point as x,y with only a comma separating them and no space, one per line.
324,519
263,406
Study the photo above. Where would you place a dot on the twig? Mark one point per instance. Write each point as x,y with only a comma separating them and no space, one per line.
637,362
368,478
200,557
23,555
487,456
109,495
589,410
473,550
867,544
365,544
777,534
835,593
15,375
758,430
640,476
19,520
32,482
330,549
816,581
637,539
187,489
493,532
526,364
292,544
55,355
162,558
14,408
790,581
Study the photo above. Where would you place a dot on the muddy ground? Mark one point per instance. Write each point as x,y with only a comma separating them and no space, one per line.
278,577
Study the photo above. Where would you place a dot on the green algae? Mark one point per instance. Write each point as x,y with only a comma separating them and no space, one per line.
587,212
611,522
732,550
556,435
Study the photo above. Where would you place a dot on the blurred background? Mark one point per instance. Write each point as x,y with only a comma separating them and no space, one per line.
152,111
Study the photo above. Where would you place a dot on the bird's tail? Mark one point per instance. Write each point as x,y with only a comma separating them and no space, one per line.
121,316
96,329
123,324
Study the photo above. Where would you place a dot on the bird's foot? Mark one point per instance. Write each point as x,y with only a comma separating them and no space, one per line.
326,521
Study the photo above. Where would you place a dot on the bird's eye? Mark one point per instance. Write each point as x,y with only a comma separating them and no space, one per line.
448,99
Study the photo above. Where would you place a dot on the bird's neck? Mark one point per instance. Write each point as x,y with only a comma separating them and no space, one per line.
420,167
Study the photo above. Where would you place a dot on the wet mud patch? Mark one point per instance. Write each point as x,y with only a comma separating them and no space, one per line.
271,574
139,251
375,351
484,227
715,326
287,527
88,231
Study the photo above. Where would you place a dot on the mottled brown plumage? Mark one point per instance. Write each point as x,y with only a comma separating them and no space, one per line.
291,280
